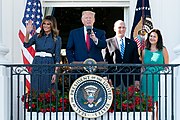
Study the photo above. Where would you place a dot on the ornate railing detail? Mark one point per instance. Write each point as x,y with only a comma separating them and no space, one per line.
68,73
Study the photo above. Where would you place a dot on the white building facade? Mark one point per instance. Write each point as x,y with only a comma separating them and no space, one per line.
164,15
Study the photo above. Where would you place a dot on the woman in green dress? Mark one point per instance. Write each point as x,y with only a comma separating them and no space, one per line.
154,53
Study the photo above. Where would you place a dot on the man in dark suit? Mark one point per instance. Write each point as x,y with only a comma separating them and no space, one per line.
121,49
81,46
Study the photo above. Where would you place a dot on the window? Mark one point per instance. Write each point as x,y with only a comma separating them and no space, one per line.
69,18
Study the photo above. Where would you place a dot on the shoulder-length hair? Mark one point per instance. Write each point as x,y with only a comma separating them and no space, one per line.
159,45
53,23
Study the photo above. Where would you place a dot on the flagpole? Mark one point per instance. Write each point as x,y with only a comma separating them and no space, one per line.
142,13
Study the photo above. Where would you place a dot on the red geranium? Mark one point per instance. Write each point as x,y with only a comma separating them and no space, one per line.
131,99
46,102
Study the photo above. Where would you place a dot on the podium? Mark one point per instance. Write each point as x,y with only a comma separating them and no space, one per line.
90,68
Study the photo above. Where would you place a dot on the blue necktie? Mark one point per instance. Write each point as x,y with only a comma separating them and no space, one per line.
122,48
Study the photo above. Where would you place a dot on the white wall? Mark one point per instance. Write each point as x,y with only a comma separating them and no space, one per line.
162,13
11,19
169,17
18,12
7,26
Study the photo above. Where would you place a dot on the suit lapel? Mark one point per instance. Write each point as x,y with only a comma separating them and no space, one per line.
81,36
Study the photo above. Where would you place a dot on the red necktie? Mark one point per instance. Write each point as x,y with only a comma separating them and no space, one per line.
88,42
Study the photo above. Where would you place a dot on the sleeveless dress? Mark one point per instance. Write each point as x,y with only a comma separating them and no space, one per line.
151,74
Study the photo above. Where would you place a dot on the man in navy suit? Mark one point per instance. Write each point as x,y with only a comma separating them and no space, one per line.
130,54
77,49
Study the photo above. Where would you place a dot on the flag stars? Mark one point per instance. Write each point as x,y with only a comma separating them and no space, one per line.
29,3
28,9
37,22
27,15
34,4
142,8
26,21
39,10
33,10
38,16
32,16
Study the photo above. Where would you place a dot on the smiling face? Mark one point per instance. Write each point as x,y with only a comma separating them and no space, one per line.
88,18
120,28
153,38
47,26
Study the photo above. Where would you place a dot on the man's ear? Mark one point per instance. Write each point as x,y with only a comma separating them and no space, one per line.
114,29
82,20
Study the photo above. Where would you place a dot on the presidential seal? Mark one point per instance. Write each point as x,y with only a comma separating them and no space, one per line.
91,68
90,96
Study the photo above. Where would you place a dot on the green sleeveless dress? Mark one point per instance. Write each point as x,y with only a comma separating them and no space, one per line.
151,74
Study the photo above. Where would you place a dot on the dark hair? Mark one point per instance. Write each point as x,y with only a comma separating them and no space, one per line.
159,45
54,30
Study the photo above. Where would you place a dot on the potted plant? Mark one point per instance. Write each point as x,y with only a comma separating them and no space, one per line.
46,102
128,102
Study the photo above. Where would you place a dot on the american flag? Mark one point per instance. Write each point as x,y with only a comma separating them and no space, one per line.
142,20
140,42
33,11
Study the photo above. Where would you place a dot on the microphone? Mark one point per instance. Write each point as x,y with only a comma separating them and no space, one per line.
88,29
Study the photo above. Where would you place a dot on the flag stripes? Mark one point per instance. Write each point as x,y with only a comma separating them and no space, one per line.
33,11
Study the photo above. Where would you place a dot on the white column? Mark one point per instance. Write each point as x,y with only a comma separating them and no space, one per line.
177,82
177,96
3,49
3,73
4,93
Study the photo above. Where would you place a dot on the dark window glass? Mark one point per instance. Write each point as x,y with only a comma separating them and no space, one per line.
69,18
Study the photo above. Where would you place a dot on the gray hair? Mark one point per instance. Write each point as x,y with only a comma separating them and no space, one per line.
88,12
118,22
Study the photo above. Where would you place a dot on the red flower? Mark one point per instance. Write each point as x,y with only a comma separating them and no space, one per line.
47,109
130,100
43,110
46,102
111,110
27,105
22,98
60,108
63,99
33,106
53,109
